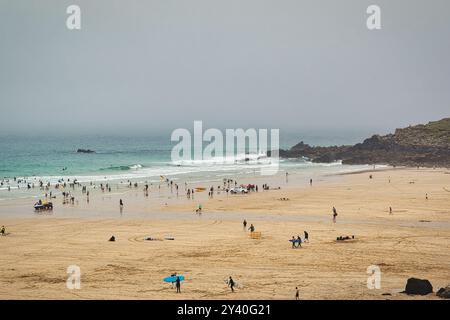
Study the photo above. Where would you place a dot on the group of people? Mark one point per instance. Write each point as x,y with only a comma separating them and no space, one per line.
251,228
297,242
190,193
68,197
177,282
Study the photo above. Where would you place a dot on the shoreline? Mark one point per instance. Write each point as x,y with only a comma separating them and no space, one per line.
162,192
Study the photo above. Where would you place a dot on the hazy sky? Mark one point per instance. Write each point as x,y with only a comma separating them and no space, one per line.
292,64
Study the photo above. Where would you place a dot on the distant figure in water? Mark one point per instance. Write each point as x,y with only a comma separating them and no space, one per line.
287,174
244,224
297,294
426,196
334,214
310,182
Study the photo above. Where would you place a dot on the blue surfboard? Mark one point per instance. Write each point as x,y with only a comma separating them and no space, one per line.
173,279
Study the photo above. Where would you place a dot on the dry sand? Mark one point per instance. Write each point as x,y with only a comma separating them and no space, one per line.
412,242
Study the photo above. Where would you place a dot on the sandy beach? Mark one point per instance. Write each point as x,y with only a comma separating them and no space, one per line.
413,241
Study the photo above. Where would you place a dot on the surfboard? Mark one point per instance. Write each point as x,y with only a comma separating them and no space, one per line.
294,241
173,279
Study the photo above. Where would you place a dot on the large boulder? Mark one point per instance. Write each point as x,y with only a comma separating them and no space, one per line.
418,286
444,292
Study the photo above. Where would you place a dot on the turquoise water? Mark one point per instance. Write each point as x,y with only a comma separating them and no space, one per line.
28,156
139,158
48,156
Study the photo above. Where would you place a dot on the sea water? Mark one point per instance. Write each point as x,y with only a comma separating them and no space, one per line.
124,158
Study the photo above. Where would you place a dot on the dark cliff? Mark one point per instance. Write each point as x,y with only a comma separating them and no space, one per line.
424,145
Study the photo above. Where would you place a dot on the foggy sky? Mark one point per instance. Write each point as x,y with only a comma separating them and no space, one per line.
149,65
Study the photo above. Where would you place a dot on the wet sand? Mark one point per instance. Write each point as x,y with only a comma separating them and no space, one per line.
414,241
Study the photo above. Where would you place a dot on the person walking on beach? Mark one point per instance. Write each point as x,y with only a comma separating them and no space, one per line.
231,284
121,206
178,285
252,228
297,294
390,210
293,242
299,242
244,224
310,182
334,214
306,236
